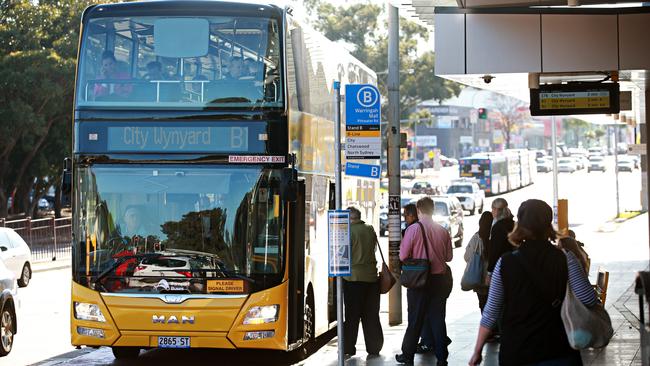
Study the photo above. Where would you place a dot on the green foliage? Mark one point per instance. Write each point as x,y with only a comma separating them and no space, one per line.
358,26
38,47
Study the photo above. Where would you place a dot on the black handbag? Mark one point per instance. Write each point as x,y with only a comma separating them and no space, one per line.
415,271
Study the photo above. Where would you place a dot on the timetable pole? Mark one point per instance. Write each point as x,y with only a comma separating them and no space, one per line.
394,190
338,182
554,155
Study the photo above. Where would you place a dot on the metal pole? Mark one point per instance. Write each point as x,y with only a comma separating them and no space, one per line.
415,148
338,182
554,152
618,201
393,136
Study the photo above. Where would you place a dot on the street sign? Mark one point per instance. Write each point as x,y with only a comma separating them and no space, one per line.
363,170
637,149
339,257
362,122
430,140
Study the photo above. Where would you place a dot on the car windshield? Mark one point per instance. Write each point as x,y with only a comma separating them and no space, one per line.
143,225
180,62
565,161
460,189
596,159
440,209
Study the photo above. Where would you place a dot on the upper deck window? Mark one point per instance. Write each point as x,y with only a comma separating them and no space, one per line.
180,62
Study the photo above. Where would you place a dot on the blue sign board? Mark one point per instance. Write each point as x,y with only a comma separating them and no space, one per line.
362,122
363,170
339,252
362,105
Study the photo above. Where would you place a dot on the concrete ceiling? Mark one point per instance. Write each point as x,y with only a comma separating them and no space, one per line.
423,10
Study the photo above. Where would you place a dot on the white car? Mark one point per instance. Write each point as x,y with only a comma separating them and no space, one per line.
566,165
469,194
8,305
164,266
16,255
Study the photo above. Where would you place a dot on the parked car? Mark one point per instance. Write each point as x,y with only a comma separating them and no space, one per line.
579,162
8,323
422,188
16,255
597,150
566,165
446,161
596,163
383,222
469,194
625,164
411,164
164,266
448,212
544,165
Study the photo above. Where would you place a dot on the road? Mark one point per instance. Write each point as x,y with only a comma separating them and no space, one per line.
43,317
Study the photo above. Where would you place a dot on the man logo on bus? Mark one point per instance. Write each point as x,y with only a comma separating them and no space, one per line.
367,96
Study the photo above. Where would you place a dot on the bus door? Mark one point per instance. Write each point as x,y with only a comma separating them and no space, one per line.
296,221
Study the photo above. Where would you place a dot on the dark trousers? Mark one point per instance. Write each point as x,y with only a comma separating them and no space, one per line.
362,303
431,302
482,300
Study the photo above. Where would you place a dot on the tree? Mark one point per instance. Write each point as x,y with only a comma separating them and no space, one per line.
38,45
512,114
358,26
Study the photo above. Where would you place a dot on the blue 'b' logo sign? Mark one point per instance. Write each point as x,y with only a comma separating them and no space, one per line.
367,96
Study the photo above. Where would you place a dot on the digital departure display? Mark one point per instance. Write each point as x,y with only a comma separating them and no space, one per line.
575,98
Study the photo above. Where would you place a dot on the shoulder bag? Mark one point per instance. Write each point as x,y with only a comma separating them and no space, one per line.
415,271
585,327
473,275
386,278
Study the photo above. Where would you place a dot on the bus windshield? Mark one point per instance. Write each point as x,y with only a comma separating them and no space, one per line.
161,228
180,62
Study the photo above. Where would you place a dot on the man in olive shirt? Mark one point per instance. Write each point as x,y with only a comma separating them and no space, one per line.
361,289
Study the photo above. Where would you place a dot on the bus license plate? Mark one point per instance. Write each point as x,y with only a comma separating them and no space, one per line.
173,342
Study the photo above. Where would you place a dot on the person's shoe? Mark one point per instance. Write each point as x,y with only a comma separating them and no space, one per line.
401,358
349,354
423,348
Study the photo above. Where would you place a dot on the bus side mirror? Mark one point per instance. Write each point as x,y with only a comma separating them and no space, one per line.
289,184
66,181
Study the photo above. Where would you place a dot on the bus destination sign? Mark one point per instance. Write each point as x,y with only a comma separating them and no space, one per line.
578,98
178,139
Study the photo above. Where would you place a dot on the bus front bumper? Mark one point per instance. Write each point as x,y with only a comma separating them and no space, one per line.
215,322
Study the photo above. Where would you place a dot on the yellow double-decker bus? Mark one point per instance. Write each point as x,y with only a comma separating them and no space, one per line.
202,171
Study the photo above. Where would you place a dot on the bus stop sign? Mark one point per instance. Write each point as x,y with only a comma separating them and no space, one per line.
362,122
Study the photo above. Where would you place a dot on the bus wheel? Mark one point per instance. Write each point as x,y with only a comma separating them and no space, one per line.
122,353
309,329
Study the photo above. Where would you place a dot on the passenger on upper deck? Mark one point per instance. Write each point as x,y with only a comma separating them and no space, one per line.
154,71
109,72
235,69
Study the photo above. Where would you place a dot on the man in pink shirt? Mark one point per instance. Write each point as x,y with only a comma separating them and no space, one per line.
431,300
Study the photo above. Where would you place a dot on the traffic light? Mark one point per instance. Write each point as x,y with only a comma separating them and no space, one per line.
482,113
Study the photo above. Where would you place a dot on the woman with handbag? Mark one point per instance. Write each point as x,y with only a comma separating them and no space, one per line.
424,251
528,287
361,289
479,244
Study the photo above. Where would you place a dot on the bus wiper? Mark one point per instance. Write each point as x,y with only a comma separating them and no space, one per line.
119,261
231,100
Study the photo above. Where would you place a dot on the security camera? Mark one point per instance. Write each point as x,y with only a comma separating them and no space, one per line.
487,78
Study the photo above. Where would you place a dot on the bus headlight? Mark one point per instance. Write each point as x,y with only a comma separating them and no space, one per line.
262,314
85,311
